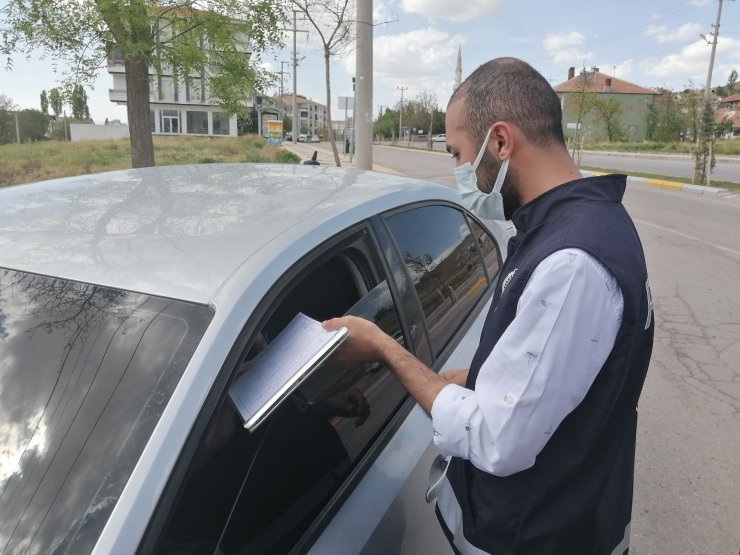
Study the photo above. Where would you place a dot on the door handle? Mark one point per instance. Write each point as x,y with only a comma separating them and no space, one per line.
437,475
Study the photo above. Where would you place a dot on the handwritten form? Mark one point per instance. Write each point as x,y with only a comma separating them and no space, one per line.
281,367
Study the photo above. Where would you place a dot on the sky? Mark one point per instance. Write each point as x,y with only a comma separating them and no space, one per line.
652,43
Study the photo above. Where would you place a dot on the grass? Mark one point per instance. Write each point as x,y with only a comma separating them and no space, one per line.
724,184
30,162
728,147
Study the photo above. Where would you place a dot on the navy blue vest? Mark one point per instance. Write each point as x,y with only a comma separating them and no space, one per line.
577,498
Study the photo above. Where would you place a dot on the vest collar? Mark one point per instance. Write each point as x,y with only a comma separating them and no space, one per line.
604,188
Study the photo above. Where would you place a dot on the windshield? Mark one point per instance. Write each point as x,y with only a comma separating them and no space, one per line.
85,373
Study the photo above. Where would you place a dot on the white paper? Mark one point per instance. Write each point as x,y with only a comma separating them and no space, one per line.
276,371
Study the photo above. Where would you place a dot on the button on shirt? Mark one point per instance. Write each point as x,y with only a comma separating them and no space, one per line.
541,368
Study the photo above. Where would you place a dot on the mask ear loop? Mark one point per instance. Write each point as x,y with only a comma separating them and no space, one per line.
482,150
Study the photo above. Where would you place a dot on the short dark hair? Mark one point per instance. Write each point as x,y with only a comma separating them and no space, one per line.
510,90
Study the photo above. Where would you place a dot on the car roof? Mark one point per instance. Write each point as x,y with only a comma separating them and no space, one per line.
185,231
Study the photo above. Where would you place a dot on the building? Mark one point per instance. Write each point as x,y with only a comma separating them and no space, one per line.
728,113
633,99
178,106
312,114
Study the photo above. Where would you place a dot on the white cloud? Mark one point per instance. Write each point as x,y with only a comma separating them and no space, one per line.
663,35
419,59
621,70
566,47
693,61
447,9
700,2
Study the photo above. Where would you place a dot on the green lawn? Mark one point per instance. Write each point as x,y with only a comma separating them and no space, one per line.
30,162
730,147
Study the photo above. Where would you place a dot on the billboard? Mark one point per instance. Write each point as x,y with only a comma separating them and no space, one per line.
274,131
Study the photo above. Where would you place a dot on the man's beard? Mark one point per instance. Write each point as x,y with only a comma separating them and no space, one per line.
509,190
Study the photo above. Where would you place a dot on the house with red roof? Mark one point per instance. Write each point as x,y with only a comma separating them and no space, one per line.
728,113
633,99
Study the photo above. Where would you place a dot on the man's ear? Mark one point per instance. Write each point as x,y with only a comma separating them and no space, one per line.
502,140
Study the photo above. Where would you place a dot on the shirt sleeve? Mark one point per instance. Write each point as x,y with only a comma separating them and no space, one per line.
541,368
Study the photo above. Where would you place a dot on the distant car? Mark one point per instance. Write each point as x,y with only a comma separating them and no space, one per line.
315,139
289,136
302,138
441,138
130,301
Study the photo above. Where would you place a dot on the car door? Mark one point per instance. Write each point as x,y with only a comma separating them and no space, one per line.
346,440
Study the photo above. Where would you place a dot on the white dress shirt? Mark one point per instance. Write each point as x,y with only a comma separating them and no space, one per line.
543,365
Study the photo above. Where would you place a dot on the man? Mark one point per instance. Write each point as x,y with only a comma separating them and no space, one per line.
542,427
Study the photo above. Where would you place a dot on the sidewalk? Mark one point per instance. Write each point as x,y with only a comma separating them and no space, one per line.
325,157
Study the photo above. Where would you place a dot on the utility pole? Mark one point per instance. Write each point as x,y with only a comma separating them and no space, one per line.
703,161
363,109
282,83
400,119
296,125
17,129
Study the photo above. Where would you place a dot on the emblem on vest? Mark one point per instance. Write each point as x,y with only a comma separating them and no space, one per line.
507,279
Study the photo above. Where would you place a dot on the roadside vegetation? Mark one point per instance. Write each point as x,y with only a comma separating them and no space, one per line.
729,147
28,162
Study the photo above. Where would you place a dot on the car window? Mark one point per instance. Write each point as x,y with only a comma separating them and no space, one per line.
259,492
86,372
444,262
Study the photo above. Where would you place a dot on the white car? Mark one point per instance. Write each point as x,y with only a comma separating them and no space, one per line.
441,138
130,301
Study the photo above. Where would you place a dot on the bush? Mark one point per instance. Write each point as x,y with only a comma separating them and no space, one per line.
287,157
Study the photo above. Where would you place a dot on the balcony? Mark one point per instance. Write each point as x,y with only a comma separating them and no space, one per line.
117,95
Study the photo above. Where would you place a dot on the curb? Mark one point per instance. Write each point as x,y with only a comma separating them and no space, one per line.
676,185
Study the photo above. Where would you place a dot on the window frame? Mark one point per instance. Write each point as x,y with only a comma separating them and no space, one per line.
439,360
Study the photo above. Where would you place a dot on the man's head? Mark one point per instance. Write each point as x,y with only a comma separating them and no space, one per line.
509,97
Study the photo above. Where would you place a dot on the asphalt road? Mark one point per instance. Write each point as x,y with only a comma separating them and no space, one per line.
677,165
687,487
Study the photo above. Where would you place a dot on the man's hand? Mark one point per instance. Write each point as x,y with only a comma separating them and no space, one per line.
350,403
364,344
367,343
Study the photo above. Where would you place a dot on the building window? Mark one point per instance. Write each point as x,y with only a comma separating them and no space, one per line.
197,122
152,121
167,88
170,121
220,123
195,90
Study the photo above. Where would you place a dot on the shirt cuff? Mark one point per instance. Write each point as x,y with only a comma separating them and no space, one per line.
451,414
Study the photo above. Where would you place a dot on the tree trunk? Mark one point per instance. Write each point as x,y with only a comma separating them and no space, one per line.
332,137
137,108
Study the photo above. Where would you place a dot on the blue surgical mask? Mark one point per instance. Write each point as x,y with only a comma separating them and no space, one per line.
487,206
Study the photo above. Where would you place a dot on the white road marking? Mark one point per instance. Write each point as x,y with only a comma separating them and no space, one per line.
686,236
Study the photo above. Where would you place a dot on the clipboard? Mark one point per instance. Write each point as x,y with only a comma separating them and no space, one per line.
281,367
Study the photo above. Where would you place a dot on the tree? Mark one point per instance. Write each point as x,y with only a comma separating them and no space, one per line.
583,99
704,155
33,125
194,38
78,102
55,101
609,112
7,120
331,20
44,102
729,88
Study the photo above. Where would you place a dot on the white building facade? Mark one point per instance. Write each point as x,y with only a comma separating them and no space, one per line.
178,107
311,114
